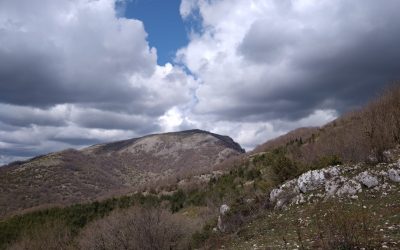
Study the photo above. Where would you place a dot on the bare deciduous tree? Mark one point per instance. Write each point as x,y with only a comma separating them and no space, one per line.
138,228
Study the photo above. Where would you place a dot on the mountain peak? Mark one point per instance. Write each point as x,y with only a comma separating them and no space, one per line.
92,172
169,137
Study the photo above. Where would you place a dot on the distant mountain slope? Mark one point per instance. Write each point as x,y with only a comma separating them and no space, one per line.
79,175
302,134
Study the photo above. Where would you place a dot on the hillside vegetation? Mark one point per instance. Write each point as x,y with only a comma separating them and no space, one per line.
186,212
110,169
360,135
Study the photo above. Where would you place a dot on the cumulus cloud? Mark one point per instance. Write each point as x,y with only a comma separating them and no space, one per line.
269,59
76,72
79,66
55,52
248,133
268,66
79,51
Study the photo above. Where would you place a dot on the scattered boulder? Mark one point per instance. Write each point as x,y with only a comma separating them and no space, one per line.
349,188
367,179
221,225
394,175
314,179
284,194
224,209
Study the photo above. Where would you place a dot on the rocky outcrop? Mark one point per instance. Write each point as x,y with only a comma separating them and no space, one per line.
335,181
314,179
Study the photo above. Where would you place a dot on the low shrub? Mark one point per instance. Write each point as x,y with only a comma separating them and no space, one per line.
345,227
138,229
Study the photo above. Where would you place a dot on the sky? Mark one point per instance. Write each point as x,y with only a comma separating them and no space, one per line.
163,24
80,72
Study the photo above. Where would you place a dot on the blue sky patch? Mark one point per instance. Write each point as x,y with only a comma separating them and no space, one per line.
163,24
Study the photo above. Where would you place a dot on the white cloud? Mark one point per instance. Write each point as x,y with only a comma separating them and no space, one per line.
75,72
263,56
81,52
171,120
268,66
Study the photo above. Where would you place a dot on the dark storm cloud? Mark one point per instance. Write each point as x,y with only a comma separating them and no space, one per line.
45,78
75,72
267,41
296,57
21,151
70,52
74,141
112,120
21,116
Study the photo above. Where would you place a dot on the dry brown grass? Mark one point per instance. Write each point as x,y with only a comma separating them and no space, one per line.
360,135
345,227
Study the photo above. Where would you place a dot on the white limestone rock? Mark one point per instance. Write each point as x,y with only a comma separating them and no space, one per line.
224,209
338,181
394,175
349,188
367,179
310,180
284,194
315,179
299,199
332,185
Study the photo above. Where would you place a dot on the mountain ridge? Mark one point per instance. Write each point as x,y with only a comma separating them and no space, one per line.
72,175
116,145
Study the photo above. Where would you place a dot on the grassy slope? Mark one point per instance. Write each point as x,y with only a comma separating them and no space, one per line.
303,225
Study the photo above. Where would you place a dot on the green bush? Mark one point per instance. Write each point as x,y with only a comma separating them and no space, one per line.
177,200
326,161
282,167
199,237
252,174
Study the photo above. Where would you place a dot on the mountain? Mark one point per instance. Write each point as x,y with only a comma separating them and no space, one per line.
335,186
72,176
